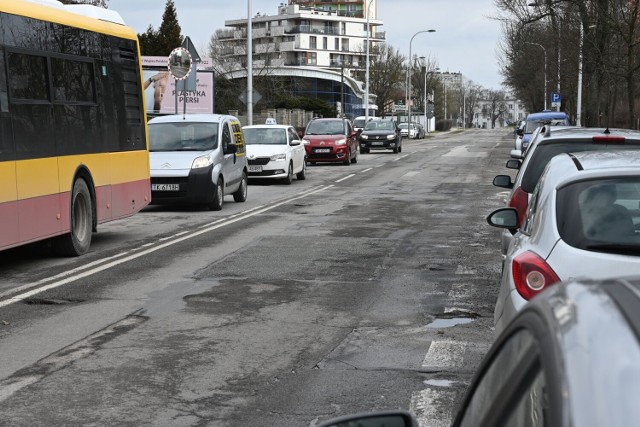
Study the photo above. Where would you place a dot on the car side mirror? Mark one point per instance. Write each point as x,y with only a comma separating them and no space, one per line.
375,419
295,142
504,218
503,181
513,164
231,149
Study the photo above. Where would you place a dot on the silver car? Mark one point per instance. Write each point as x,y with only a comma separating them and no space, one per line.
581,221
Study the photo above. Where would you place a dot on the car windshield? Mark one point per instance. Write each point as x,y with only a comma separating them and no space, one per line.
545,152
181,136
402,125
254,136
379,125
358,123
333,127
601,215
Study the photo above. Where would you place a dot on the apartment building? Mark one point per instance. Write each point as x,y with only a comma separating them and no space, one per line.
317,47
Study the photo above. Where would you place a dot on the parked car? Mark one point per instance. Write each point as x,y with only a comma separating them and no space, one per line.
550,142
331,140
380,134
412,133
360,121
197,159
581,221
535,120
421,131
274,152
570,358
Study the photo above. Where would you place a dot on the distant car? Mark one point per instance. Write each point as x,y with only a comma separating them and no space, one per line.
331,140
412,133
570,358
380,134
535,120
360,121
421,131
275,152
550,142
197,159
583,220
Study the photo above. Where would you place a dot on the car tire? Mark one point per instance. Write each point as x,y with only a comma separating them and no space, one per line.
302,175
218,196
363,150
400,148
348,161
78,240
241,193
289,179
395,149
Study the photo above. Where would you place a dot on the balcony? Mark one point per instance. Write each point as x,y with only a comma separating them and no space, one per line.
313,30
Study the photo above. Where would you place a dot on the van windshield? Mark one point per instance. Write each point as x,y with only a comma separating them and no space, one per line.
183,136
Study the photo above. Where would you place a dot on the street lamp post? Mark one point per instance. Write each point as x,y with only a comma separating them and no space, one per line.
366,77
249,66
408,90
545,71
579,97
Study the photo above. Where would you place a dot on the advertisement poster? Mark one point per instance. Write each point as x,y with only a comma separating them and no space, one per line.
160,93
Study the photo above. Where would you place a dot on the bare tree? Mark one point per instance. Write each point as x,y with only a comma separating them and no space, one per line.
386,76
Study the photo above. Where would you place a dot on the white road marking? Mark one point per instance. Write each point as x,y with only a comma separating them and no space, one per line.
346,177
118,259
462,151
465,270
444,355
427,406
366,170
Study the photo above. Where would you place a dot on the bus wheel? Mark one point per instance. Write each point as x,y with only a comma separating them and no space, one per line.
77,242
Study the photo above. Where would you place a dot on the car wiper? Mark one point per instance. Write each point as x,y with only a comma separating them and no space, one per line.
625,249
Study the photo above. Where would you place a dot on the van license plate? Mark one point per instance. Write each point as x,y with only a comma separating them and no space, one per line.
165,187
255,168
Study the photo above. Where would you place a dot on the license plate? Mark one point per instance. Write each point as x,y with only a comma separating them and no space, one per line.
377,143
165,187
322,150
255,168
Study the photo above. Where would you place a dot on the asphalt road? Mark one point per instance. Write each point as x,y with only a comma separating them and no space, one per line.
364,287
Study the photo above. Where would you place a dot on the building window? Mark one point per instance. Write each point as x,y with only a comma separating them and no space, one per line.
345,45
337,44
313,42
325,43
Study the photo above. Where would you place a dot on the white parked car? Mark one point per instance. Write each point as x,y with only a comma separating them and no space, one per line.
413,131
275,151
197,159
582,221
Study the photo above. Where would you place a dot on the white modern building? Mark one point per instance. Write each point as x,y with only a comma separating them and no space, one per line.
318,48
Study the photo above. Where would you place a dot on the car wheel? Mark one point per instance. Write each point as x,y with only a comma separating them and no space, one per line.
241,193
363,150
395,149
400,148
302,175
348,161
289,179
78,240
218,196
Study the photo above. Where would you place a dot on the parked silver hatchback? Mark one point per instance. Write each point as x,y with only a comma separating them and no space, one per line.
582,221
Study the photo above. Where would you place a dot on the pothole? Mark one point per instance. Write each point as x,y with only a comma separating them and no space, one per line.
46,301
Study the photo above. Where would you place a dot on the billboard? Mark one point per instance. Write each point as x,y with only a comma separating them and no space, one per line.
160,89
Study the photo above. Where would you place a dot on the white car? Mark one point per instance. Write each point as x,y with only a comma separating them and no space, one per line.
413,131
275,151
582,221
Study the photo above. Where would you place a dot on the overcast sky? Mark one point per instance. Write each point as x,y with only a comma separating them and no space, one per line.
465,39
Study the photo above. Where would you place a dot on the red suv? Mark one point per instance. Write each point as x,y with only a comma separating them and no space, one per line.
331,140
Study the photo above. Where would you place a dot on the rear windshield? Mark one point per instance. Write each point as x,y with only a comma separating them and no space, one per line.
181,136
534,124
358,123
264,136
545,152
380,125
601,215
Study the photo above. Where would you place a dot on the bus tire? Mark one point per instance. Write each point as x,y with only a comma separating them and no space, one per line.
78,240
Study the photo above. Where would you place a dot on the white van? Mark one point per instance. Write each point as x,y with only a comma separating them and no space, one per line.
197,159
359,122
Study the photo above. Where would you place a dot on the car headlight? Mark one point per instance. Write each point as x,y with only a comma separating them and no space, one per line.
341,142
306,141
277,157
364,136
391,137
201,162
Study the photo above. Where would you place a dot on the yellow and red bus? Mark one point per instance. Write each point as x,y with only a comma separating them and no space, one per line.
73,133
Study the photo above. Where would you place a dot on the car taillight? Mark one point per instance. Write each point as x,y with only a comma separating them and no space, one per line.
608,139
532,274
520,201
